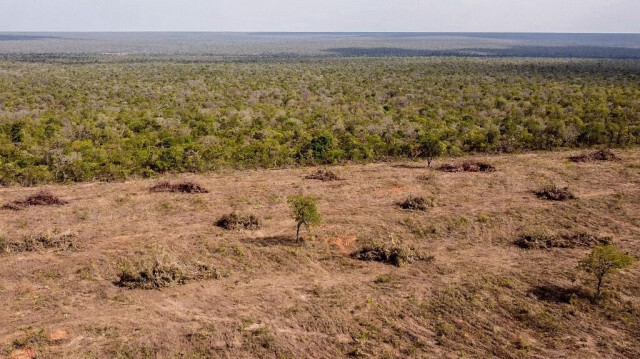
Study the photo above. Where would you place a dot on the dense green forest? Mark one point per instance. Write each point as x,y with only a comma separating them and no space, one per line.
70,121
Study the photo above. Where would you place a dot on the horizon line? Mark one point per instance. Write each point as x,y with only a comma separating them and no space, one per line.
317,32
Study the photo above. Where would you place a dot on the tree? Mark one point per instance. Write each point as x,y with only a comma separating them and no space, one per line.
304,212
604,260
431,147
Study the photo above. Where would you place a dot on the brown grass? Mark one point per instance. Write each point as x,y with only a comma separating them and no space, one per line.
41,198
480,297
181,187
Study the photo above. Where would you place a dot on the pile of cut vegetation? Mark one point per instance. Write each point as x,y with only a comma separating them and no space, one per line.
162,270
43,242
563,240
234,221
181,187
324,175
599,155
554,193
41,198
394,255
469,166
415,203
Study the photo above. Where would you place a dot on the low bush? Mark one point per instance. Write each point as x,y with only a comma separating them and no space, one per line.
43,242
32,338
555,193
414,203
234,221
469,166
599,155
41,198
557,294
181,187
394,255
565,240
323,175
160,271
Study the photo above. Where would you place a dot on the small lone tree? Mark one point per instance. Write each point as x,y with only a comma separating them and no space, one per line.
304,212
431,147
604,260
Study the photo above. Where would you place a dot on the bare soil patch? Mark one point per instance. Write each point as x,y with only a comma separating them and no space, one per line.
344,243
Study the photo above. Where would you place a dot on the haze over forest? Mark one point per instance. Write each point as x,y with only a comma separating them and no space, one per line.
283,45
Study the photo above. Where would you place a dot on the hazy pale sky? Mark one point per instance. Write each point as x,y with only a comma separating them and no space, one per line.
321,15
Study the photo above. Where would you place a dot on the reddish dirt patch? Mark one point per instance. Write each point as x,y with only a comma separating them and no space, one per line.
345,243
391,191
58,336
27,353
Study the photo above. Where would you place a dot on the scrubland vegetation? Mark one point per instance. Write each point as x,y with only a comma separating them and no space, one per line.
105,120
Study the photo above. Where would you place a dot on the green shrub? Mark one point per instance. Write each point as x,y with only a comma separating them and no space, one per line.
604,260
431,147
304,211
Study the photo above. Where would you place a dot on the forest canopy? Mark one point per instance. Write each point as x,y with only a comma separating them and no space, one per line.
110,120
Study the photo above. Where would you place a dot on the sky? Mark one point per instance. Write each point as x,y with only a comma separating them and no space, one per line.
322,15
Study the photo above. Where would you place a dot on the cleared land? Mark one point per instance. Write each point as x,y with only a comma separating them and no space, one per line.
258,294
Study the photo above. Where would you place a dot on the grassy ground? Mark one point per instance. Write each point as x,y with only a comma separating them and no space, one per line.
480,295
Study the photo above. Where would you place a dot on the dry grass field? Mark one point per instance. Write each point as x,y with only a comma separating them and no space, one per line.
471,292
